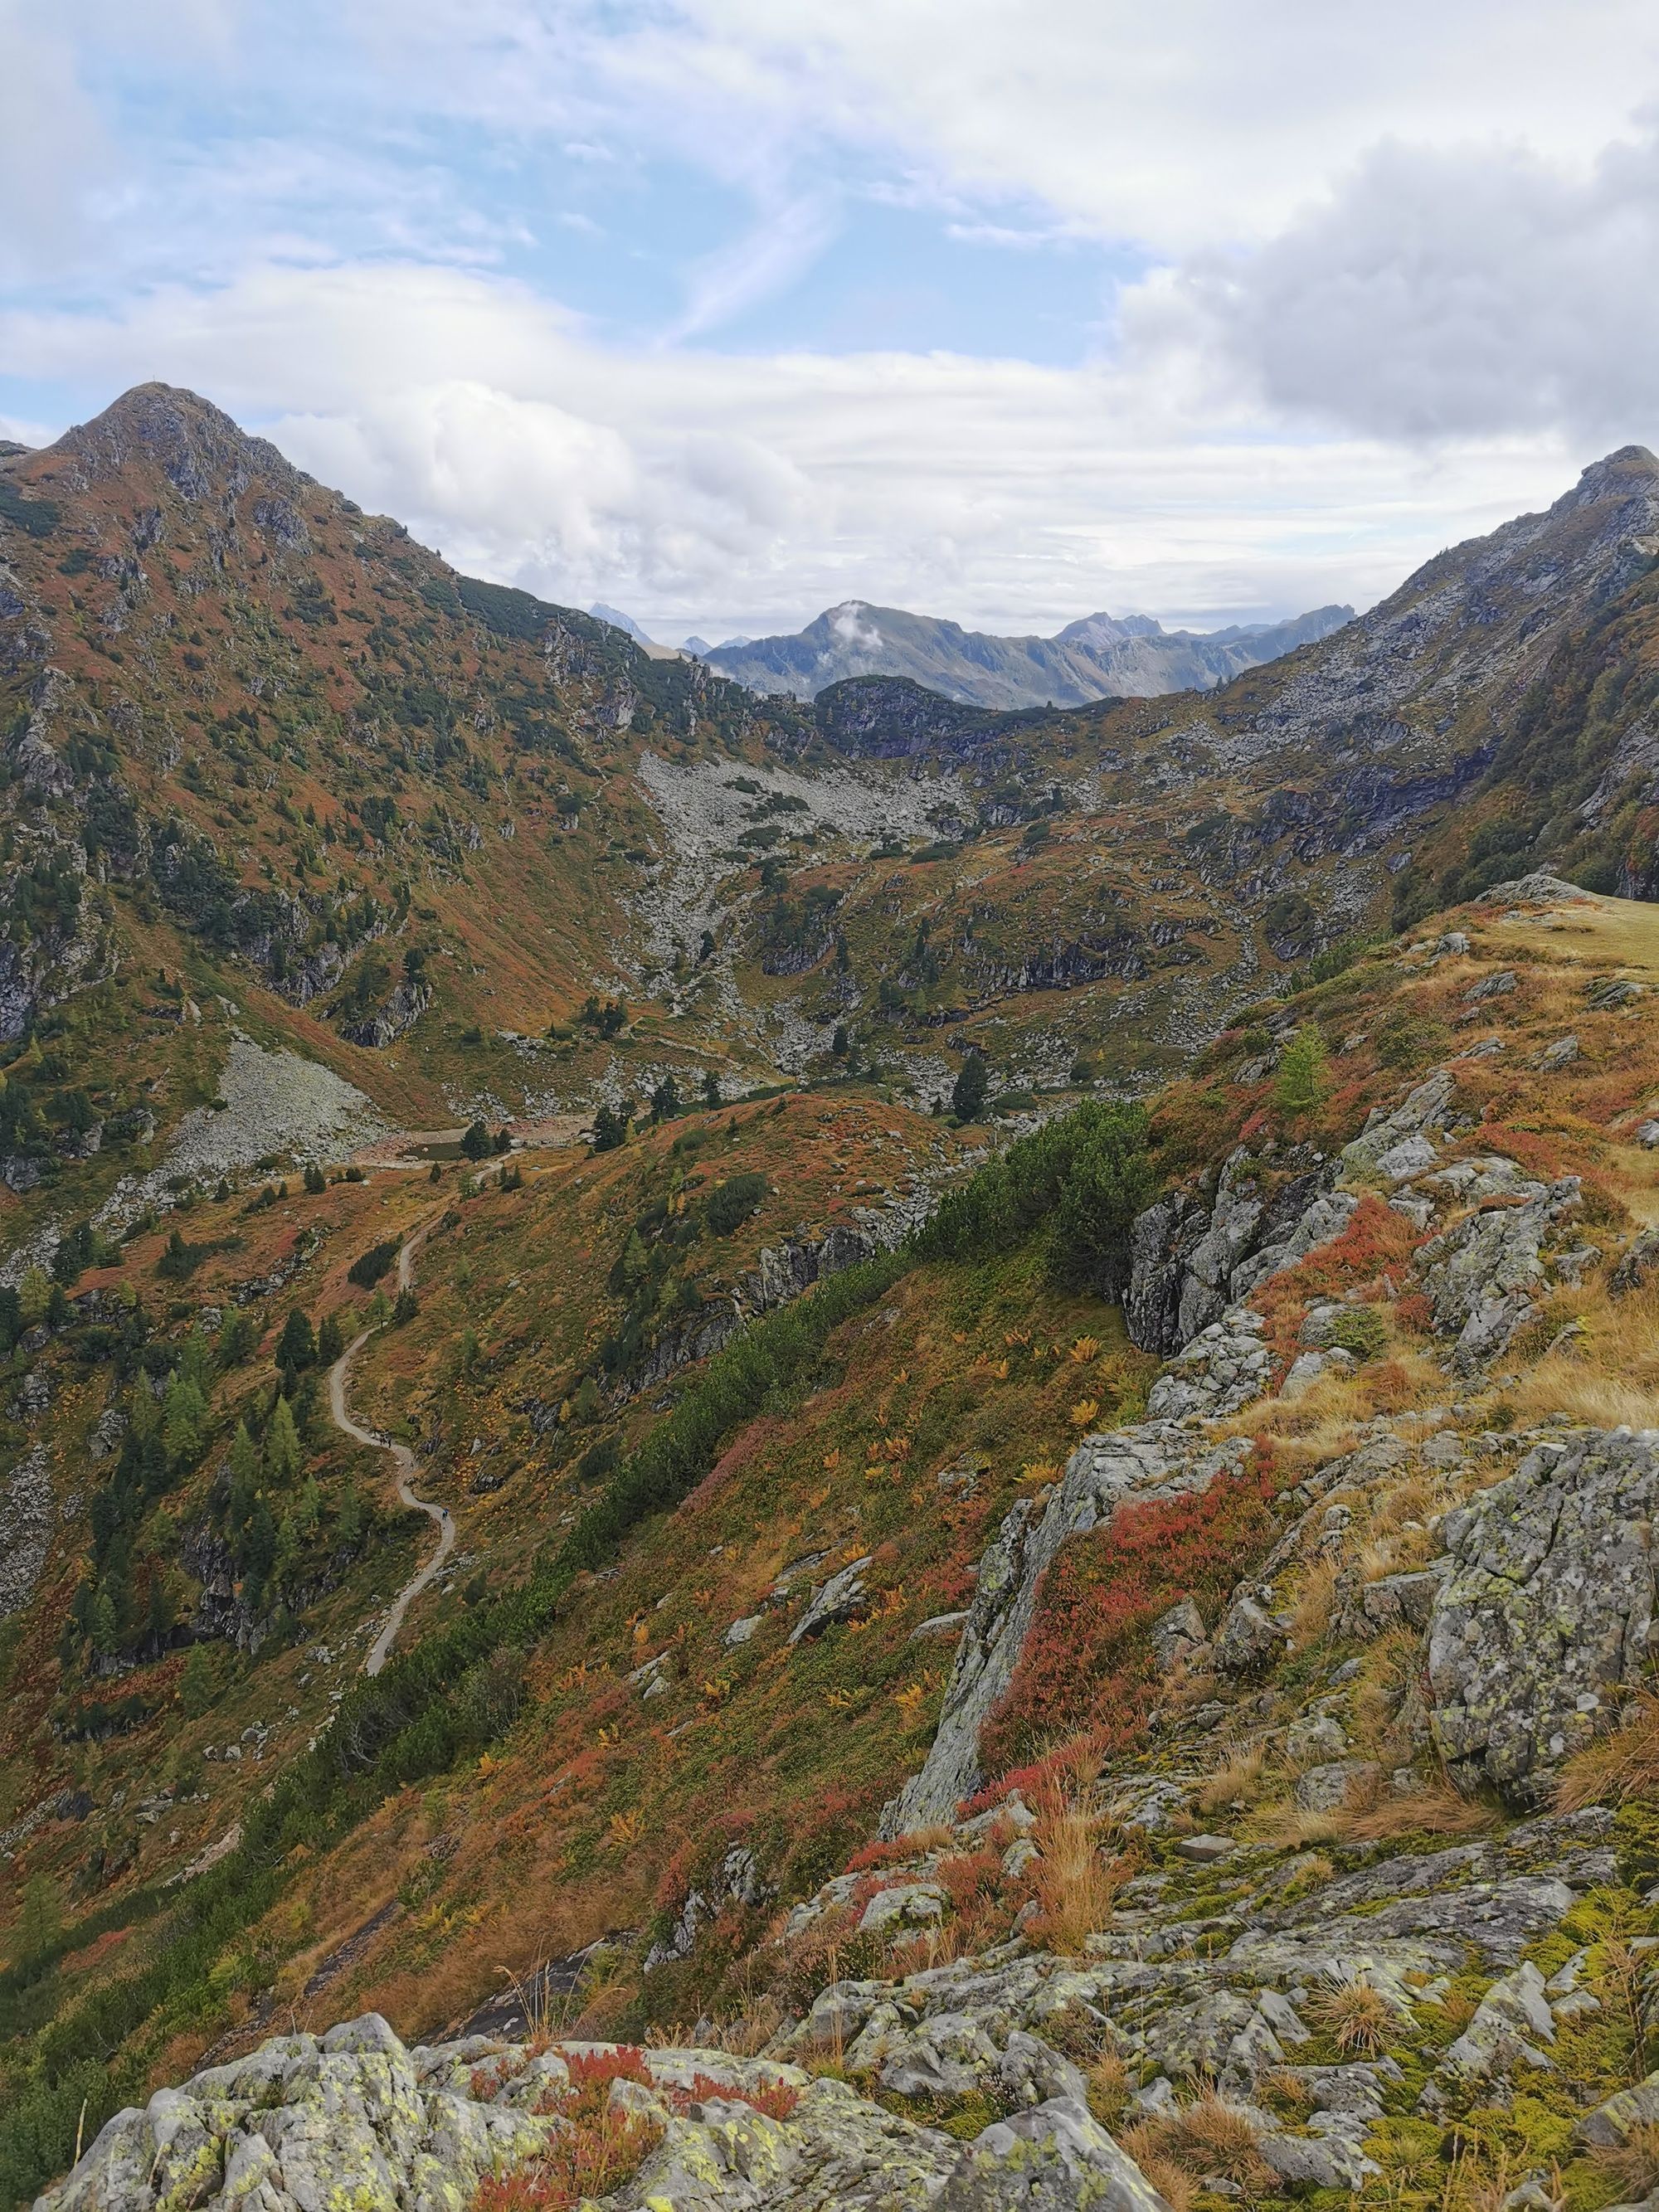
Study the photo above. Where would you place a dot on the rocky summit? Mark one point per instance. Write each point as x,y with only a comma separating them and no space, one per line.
857,1453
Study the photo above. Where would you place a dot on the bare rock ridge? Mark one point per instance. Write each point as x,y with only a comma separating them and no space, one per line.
1096,658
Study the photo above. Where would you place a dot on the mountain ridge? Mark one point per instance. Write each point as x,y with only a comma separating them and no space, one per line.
1096,657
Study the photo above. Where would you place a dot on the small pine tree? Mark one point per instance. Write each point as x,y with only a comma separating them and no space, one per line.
585,1405
350,1522
315,1180
42,1922
968,1098
283,1453
330,1339
296,1347
184,1410
237,1334
1302,1082
711,1089
103,1629
610,1130
635,1261
408,1305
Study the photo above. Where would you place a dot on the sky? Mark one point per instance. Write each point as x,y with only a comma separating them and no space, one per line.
722,311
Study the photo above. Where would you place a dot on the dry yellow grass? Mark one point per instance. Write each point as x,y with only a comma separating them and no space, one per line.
1207,2137
1360,2018
1607,1376
1623,1764
1075,1880
1368,1817
1631,2168
1238,1781
1311,1615
1108,2088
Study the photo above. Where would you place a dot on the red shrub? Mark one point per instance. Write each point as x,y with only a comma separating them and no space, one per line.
777,2099
1087,1662
1377,1242
598,2070
597,2150
869,1857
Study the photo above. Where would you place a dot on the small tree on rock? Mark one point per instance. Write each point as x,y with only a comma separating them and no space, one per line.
1302,1082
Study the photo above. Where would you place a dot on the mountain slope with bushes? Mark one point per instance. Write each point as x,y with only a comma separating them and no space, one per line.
1279,1843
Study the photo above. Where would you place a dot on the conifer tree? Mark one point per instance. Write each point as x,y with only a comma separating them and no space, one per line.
1302,1082
283,1453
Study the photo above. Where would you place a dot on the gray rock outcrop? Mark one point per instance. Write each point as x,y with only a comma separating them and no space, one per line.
1154,1459
1547,1610
1484,1274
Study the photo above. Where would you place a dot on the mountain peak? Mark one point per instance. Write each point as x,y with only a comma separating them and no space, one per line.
196,445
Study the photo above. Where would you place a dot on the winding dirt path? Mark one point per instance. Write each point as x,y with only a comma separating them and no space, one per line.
402,1458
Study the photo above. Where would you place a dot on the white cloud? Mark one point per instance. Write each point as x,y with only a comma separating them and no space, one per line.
1177,125
50,141
767,259
747,492
1444,293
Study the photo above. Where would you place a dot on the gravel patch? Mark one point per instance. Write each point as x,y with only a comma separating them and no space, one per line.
704,814
274,1102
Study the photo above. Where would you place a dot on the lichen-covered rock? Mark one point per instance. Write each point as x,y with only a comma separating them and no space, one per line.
1511,2024
1483,1274
305,2124
1420,1110
1638,1265
1247,1639
1055,2158
1189,1263
1615,2121
1547,1610
1224,1367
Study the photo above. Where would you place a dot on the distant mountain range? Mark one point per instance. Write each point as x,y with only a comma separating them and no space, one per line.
1099,657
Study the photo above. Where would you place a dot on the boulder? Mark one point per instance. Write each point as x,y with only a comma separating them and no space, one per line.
1224,1367
1420,1110
1498,986
1055,2158
1248,1638
908,1904
1546,1609
843,1597
1326,1788
1483,1273
1151,1459
1626,2109
1176,1633
1510,2022
1638,1265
